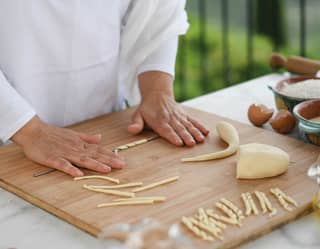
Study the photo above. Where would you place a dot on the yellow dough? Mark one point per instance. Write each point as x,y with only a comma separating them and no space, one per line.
260,161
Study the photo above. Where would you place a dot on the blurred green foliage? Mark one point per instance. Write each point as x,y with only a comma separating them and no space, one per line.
192,70
269,20
198,73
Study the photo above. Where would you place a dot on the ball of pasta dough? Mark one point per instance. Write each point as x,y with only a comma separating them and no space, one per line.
260,161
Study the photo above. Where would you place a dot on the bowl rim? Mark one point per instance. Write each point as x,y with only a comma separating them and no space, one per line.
297,114
295,79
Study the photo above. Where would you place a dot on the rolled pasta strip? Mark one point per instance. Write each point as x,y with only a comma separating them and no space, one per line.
153,198
111,192
126,185
114,180
126,203
228,133
156,184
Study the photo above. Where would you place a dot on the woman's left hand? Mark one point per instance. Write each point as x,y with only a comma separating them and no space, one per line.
160,112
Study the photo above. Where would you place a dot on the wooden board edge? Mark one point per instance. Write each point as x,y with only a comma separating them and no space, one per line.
303,211
50,209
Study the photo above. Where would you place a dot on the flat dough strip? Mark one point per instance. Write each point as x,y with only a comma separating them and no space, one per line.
226,210
252,204
261,201
156,184
114,180
201,234
209,229
126,185
217,223
221,218
212,223
233,207
287,197
153,198
111,192
126,203
246,204
281,200
203,217
272,210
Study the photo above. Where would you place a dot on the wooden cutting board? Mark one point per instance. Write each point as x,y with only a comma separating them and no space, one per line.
200,184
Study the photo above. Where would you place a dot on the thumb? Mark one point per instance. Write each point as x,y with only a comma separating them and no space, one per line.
137,124
90,139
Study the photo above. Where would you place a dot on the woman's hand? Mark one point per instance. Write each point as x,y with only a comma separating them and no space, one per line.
64,149
159,111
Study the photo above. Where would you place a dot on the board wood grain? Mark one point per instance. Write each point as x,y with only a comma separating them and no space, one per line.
200,184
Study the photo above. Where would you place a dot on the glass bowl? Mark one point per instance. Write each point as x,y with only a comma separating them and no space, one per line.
288,102
309,130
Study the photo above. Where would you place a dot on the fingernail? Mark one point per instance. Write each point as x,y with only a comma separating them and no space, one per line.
98,136
106,169
201,139
191,143
117,163
121,164
78,173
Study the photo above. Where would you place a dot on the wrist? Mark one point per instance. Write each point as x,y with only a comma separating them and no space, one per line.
28,131
156,83
154,93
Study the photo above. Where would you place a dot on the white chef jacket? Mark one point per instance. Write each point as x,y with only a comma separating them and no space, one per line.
59,60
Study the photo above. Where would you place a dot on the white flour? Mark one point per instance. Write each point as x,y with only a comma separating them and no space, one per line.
308,89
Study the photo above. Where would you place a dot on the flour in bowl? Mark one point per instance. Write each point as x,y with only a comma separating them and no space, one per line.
307,89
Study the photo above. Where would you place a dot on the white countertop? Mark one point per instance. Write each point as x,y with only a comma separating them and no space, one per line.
23,225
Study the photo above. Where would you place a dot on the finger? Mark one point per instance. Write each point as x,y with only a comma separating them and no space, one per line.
193,131
104,156
91,139
93,150
183,133
199,126
111,161
64,166
137,124
110,153
85,161
167,132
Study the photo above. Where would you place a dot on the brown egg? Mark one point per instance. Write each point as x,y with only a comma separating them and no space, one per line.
283,122
259,114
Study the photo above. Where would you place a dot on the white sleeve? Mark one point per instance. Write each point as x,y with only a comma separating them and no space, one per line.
162,59
15,112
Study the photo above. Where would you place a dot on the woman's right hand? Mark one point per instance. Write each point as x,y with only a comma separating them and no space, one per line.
64,149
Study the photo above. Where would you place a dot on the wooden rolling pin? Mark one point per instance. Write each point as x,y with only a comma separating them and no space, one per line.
295,64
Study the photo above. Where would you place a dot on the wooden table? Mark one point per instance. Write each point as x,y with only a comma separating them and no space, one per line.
17,230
